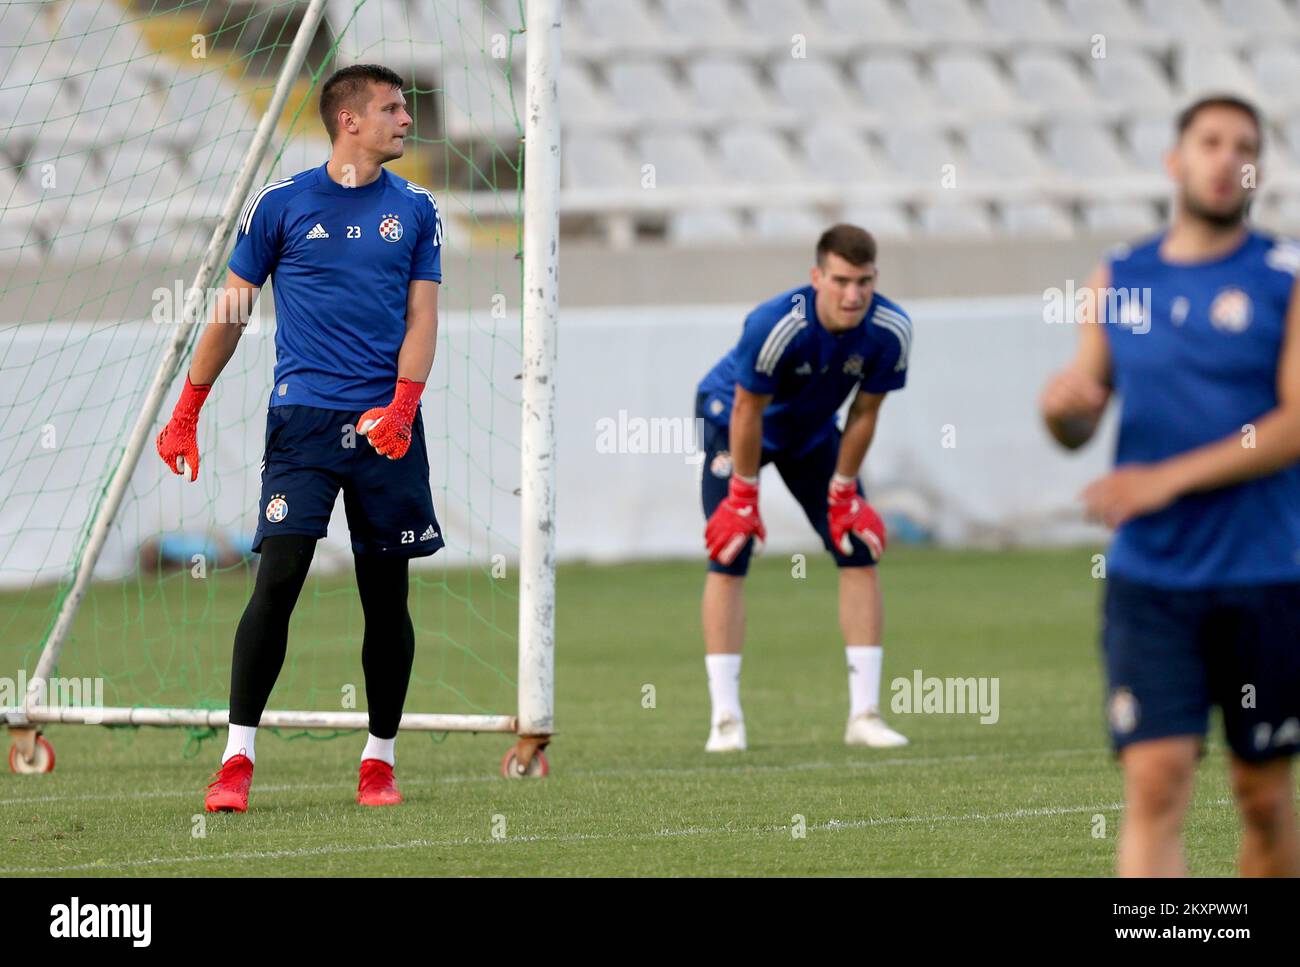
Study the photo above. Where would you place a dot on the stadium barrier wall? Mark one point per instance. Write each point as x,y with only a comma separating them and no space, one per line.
960,450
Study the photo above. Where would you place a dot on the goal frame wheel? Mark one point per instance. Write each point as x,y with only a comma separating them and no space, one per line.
525,759
31,753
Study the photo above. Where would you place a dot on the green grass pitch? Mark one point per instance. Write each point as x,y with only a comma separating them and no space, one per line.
631,791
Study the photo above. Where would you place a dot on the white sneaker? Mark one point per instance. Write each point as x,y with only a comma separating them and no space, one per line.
727,735
870,729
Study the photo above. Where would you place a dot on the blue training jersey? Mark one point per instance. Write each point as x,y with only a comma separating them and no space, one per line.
808,371
342,260
1194,353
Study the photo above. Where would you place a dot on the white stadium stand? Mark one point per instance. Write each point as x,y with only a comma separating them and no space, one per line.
1056,113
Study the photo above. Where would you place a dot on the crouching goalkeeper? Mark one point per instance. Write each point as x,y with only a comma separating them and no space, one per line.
355,252
773,399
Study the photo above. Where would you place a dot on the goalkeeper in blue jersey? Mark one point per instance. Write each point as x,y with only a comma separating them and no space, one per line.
355,253
773,399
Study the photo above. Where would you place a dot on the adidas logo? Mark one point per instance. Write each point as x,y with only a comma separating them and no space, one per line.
804,370
429,534
318,232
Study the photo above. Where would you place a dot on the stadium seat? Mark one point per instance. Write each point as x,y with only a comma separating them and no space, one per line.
1267,18
1188,19
789,225
28,112
54,171
776,21
1285,215
599,161
956,220
1130,79
1036,219
758,155
644,86
860,20
1277,72
885,222
680,159
1205,69
208,177
1120,220
626,23
835,154
694,20
1086,150
729,87
698,226
199,104
1148,139
892,84
969,81
140,170
1113,19
84,244
919,153
216,158
1051,79
1290,128
581,102
807,84
299,155
1002,149
389,32
21,245
95,33
1023,18
476,97
944,18
112,102
24,23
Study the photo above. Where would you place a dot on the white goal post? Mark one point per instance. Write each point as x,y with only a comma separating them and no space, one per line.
533,722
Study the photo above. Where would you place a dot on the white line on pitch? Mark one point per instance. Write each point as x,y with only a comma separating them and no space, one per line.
832,825
591,774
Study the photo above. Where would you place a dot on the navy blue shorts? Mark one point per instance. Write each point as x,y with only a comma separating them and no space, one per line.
807,476
1170,655
311,453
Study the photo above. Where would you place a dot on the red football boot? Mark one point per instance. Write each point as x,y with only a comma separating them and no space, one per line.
377,787
228,790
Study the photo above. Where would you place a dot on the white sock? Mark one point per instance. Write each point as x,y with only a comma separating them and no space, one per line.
864,677
240,742
377,748
724,686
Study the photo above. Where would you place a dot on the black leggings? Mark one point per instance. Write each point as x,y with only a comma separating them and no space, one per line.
387,650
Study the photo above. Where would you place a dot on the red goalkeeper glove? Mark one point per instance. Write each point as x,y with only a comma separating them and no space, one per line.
388,428
851,516
735,521
177,443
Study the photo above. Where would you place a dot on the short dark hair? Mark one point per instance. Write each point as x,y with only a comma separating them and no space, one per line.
854,245
346,85
1189,113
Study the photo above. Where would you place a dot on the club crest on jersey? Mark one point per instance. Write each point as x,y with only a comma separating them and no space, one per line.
390,229
1123,711
721,465
853,365
1231,310
277,508
1178,310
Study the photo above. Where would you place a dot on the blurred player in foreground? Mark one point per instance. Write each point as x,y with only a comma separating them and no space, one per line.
773,399
1199,333
356,256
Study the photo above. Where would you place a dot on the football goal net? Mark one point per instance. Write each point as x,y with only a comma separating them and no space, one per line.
133,134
